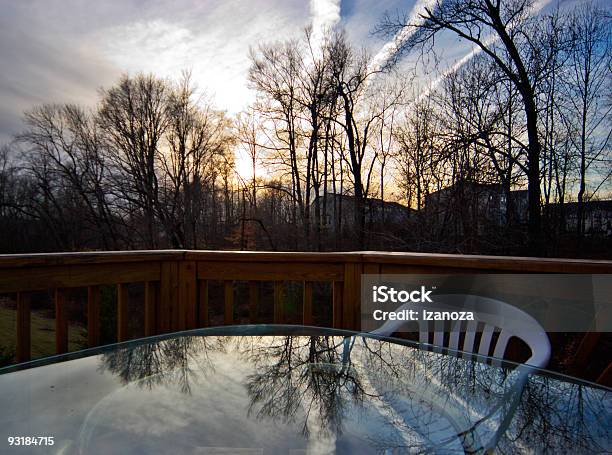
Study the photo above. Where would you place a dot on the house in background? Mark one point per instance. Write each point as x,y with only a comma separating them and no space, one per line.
597,217
377,211
472,206
466,208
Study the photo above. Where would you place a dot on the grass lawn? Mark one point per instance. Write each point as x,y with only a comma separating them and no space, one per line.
42,333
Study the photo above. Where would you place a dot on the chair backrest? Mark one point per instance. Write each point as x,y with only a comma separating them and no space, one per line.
490,316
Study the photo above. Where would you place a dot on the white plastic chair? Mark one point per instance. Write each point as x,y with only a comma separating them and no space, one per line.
493,315
490,316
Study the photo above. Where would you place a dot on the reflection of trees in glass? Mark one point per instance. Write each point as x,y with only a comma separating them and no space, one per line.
430,394
309,374
550,415
563,417
177,360
318,383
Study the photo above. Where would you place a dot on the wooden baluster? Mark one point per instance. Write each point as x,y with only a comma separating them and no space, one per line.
203,304
150,308
307,304
187,295
122,313
23,327
93,316
61,324
351,296
229,302
253,301
279,303
167,312
338,287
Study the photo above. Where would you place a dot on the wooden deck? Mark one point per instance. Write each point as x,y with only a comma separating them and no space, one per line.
176,282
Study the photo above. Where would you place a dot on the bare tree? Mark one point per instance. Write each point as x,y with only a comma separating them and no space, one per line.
275,71
198,140
132,115
418,153
503,31
360,117
588,79
66,139
248,134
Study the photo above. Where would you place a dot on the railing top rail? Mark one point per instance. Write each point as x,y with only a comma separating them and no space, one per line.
501,263
417,259
87,257
455,261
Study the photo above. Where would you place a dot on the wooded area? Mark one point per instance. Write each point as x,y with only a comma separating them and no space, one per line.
331,136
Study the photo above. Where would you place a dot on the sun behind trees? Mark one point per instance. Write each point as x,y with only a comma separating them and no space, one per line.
506,153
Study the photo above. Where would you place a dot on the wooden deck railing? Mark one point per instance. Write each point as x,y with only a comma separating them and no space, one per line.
176,283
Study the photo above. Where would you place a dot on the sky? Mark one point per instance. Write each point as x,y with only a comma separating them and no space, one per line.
58,51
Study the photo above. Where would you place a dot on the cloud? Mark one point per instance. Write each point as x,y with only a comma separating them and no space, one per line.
212,42
64,50
325,16
41,67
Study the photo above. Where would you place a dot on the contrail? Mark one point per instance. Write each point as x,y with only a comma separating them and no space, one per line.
391,48
453,69
325,16
537,7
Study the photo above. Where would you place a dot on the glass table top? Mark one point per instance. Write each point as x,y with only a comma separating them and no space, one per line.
295,390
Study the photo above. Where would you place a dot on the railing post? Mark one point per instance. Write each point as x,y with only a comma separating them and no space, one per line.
338,287
203,303
367,268
178,296
23,327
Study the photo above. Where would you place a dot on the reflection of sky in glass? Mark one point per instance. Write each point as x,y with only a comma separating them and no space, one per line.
303,394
